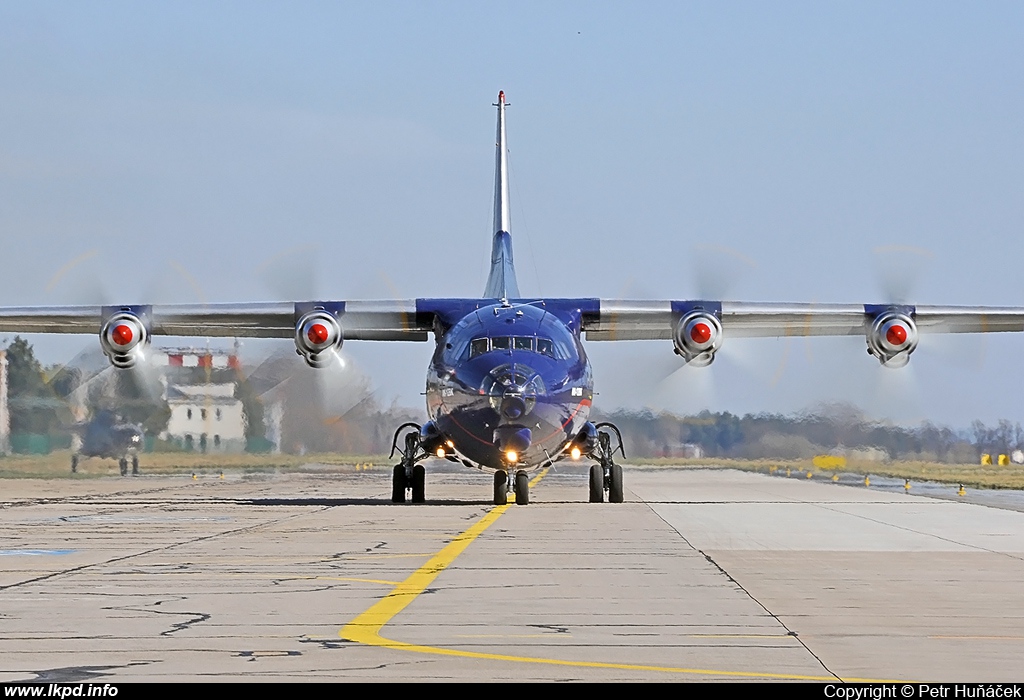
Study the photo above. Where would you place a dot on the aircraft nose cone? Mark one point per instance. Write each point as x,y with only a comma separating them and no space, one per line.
512,406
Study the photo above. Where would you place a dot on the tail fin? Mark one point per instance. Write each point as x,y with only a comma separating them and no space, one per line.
501,283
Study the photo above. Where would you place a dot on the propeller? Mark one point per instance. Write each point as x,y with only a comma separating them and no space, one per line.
80,281
292,274
717,270
337,384
899,270
88,378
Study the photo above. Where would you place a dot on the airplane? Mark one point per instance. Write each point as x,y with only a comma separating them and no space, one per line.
509,385
109,437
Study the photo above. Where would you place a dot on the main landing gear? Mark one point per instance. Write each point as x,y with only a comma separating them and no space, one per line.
507,482
122,464
606,475
409,476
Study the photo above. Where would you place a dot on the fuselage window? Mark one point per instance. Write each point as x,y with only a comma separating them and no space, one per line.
522,343
501,343
545,347
478,347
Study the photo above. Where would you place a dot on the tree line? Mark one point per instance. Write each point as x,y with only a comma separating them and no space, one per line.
833,428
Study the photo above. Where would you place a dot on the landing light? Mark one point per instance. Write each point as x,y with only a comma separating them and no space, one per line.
450,444
575,453
511,456
440,452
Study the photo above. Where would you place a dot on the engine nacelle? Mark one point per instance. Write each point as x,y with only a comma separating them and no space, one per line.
697,338
122,339
891,338
317,337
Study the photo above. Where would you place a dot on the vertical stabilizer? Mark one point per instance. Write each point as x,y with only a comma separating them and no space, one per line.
501,282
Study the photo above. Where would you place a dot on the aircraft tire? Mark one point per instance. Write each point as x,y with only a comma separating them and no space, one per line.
500,488
615,484
123,464
596,484
398,484
74,463
522,489
135,466
419,479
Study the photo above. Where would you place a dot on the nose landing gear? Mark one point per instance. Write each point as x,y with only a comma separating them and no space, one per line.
506,483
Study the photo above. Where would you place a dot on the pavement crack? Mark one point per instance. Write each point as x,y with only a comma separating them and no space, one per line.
552,628
179,626
162,548
750,595
75,674
1011,555
253,655
327,643
196,618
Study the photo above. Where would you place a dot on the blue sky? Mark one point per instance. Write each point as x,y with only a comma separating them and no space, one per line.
191,151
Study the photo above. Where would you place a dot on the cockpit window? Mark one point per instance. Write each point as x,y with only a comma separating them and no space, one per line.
544,346
477,347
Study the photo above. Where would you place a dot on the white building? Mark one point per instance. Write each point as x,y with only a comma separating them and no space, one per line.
205,417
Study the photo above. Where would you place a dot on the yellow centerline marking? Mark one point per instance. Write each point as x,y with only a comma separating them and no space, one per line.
366,627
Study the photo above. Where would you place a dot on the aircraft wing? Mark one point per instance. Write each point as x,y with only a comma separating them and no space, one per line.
697,328
362,320
412,320
650,320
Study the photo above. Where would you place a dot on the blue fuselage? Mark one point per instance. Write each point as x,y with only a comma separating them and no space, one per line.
509,385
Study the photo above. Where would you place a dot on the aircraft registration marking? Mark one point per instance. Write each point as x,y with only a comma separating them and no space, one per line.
366,627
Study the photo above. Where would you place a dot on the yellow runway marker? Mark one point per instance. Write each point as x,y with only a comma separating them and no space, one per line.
366,627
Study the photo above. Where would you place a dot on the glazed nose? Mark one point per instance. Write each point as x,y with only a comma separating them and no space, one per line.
512,406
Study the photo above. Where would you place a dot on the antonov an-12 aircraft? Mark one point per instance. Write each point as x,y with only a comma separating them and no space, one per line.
509,385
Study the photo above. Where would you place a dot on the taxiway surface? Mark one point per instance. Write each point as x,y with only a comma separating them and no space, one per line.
701,574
